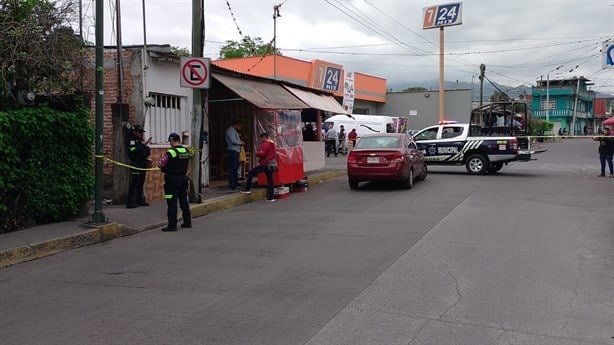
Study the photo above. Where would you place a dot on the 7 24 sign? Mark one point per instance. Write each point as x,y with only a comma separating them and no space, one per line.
442,15
331,79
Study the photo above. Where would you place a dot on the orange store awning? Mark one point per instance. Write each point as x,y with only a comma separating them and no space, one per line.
318,101
261,94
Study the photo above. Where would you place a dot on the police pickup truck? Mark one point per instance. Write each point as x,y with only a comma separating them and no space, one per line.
452,143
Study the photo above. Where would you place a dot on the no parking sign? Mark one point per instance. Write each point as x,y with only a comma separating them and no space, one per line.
608,54
195,72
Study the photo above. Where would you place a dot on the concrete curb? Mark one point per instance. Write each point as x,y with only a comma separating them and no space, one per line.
107,232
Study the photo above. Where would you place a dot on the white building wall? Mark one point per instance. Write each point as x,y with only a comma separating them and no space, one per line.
173,109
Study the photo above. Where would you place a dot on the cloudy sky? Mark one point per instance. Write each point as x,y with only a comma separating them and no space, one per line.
519,41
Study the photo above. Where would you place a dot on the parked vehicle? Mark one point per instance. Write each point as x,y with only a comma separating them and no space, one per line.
386,157
364,124
452,143
497,135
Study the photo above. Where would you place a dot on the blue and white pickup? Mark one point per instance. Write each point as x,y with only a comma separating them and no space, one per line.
451,143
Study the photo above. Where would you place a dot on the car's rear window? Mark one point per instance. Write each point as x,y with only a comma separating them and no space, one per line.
378,142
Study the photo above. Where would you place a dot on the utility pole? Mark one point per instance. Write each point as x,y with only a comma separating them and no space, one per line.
98,216
548,97
575,108
482,69
442,103
198,28
275,16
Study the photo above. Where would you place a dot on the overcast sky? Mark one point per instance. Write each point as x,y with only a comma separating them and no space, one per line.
519,41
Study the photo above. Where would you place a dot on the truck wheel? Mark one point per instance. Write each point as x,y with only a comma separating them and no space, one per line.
477,164
495,167
407,184
353,184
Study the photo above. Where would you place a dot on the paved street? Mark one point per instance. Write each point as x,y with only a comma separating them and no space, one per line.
525,256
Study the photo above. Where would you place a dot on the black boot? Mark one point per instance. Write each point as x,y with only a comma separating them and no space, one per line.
186,225
132,205
169,228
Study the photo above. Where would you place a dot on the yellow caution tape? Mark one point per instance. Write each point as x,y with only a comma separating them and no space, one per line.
563,136
125,165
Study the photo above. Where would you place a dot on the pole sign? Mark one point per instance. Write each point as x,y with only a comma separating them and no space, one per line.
195,72
442,15
325,75
608,54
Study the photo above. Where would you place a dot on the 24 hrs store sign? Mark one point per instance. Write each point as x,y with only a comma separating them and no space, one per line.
326,76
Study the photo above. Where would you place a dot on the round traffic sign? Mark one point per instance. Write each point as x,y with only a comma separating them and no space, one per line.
195,72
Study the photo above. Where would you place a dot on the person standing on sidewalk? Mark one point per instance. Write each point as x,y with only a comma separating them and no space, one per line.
138,153
342,148
352,137
265,155
233,149
331,141
606,151
174,164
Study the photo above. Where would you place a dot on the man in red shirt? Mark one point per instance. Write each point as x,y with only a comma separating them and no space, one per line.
265,155
352,137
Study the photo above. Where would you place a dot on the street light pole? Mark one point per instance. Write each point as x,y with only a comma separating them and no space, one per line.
98,216
275,16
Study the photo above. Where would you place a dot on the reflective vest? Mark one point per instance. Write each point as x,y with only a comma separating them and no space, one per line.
179,158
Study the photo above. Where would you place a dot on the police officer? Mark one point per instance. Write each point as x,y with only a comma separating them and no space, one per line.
174,165
138,153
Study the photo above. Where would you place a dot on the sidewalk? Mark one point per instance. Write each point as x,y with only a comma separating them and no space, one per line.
48,239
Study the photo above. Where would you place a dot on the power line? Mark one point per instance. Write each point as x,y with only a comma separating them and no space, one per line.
234,19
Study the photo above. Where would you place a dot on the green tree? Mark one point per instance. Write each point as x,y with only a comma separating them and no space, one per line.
539,127
39,50
247,47
499,96
416,89
180,51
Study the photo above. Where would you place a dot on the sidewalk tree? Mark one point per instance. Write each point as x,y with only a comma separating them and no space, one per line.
39,50
247,47
539,127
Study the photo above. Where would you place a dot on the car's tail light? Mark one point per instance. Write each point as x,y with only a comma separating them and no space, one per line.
351,158
397,158
514,145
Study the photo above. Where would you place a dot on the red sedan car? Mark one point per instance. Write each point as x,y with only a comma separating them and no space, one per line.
388,157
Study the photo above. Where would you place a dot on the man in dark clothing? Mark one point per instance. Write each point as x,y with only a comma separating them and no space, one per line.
138,153
174,164
606,151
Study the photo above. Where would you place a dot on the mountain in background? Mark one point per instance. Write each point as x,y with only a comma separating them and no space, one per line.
488,89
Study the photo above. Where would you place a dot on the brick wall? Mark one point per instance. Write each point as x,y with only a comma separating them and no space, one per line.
154,182
116,177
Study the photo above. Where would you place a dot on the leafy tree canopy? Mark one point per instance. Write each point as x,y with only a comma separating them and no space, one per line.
181,51
499,96
415,89
38,48
247,47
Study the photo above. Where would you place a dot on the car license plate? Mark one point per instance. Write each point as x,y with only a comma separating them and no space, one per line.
372,160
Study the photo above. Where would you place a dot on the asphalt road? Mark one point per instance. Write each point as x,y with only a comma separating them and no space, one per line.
525,256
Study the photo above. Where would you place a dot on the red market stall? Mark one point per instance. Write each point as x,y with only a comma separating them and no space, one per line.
285,129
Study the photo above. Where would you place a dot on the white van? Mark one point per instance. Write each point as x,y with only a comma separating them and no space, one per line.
364,124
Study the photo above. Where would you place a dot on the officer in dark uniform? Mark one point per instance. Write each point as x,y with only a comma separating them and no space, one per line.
138,153
174,165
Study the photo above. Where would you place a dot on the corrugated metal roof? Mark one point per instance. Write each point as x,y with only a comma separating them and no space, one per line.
261,94
317,101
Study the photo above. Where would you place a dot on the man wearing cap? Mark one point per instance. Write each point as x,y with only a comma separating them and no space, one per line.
138,153
174,165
